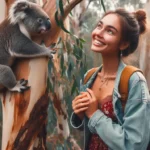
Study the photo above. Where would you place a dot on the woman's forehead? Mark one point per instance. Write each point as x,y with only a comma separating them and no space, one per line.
112,20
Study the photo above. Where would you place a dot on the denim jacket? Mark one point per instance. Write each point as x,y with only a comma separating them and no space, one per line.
132,131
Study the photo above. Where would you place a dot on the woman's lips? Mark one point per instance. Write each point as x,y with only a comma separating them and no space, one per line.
98,43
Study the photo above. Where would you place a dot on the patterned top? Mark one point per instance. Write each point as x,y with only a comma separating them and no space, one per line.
96,143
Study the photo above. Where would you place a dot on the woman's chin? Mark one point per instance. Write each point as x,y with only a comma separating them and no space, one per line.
96,50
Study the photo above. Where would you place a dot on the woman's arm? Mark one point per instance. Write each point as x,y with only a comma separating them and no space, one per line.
76,122
76,119
134,133
79,105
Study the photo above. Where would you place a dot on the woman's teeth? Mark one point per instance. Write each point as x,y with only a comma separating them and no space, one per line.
98,42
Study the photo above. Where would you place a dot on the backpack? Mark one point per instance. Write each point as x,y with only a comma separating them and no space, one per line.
123,84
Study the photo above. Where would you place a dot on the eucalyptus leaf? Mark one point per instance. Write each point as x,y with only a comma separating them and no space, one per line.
62,61
61,7
82,40
60,23
102,2
59,40
56,18
69,71
74,87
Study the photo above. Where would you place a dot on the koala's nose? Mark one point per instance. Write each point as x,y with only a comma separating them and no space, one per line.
48,24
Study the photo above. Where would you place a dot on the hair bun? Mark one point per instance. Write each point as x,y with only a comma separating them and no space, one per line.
141,18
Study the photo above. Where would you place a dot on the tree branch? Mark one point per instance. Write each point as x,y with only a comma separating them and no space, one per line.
55,30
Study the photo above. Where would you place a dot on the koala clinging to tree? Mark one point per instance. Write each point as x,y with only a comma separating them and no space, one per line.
25,19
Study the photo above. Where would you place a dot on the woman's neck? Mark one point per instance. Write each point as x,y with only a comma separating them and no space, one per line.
110,65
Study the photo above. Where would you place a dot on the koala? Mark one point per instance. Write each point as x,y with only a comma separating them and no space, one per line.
25,19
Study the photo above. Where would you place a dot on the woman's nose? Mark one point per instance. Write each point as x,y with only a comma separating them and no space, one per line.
99,32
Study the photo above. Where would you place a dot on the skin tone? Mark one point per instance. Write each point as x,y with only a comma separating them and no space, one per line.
106,39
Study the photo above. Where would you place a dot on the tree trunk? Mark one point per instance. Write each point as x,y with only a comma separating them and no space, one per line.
25,114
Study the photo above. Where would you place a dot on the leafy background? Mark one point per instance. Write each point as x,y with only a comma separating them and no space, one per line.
80,59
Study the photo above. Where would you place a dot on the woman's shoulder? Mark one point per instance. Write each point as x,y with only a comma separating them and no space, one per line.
90,73
94,69
137,76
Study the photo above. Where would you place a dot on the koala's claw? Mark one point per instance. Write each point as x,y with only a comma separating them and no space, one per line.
23,82
20,86
53,51
23,89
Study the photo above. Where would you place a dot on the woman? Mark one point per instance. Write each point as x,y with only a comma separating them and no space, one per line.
98,109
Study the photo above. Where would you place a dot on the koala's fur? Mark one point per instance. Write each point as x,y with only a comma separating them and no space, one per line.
25,19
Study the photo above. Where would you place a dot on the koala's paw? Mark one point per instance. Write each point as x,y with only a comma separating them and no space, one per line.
20,86
52,52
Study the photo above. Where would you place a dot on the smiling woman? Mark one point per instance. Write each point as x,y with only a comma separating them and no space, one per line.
98,110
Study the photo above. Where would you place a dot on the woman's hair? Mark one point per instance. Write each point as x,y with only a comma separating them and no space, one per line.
133,24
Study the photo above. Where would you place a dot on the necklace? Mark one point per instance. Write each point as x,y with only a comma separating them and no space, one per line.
105,80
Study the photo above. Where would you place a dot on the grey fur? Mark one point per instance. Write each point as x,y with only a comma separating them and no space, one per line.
25,19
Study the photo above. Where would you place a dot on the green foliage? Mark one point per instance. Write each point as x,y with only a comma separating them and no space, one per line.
73,68
60,23
102,2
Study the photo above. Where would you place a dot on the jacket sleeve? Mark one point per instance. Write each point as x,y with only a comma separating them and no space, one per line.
76,122
133,134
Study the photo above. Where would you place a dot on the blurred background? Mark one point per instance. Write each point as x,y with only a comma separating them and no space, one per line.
81,22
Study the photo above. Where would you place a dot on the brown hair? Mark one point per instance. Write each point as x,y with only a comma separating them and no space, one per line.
133,24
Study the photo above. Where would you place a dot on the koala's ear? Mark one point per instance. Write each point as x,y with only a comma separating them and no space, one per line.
21,6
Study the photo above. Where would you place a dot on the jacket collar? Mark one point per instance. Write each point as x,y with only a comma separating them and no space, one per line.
119,71
116,86
118,76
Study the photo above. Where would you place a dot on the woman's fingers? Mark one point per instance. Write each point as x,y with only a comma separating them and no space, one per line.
79,97
83,93
82,100
80,103
80,110
90,92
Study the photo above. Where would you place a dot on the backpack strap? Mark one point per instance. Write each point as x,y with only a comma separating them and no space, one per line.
89,74
124,83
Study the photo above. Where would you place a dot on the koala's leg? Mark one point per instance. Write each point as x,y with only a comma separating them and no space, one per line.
8,80
27,48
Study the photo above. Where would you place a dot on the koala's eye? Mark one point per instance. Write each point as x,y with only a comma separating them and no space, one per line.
40,20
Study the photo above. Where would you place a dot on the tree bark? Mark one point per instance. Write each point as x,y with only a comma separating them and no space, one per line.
25,114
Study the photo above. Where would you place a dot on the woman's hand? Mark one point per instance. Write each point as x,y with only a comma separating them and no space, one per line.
80,104
93,106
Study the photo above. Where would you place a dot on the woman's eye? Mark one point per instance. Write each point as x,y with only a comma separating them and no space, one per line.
99,26
110,32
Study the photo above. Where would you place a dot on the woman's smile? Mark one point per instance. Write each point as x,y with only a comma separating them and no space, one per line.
98,42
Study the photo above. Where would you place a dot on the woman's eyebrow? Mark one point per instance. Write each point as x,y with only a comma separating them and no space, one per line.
108,26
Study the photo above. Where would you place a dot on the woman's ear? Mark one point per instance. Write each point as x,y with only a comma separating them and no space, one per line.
124,45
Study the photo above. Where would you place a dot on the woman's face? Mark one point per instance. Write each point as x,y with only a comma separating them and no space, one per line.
106,37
